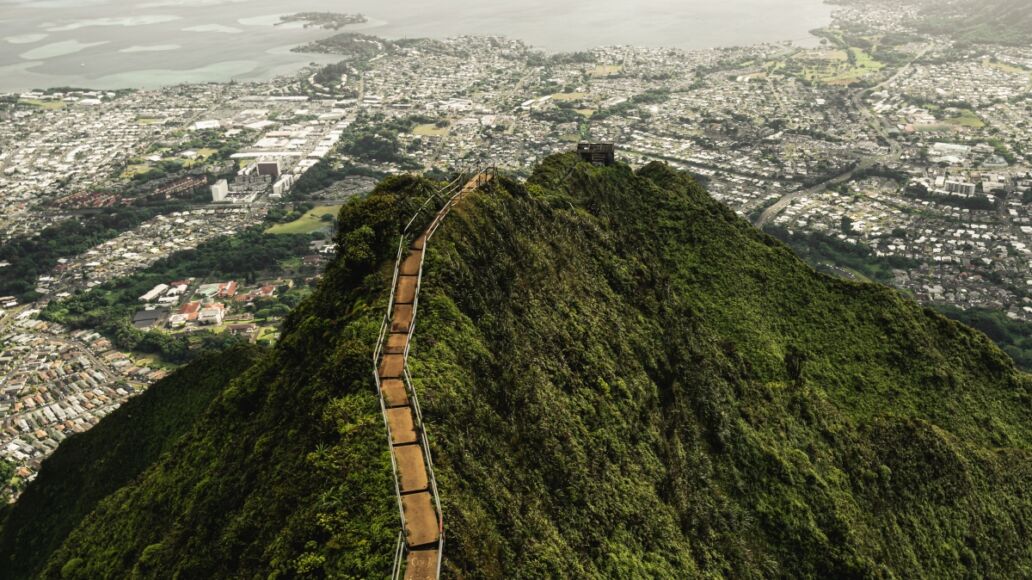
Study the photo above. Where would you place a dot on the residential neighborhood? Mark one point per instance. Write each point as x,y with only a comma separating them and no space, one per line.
906,151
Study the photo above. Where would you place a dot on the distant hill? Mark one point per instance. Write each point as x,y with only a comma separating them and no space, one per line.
981,21
620,379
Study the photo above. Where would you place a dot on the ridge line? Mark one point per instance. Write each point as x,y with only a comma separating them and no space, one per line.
415,486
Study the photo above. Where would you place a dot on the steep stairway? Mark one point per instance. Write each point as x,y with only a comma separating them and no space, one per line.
418,501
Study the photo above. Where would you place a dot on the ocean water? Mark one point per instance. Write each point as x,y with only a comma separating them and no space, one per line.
147,43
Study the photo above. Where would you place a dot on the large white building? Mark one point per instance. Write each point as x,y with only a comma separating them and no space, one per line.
219,191
154,293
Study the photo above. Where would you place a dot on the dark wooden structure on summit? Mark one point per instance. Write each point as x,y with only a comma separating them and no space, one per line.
597,153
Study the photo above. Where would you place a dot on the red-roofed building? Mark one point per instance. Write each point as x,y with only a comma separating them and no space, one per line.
228,289
191,310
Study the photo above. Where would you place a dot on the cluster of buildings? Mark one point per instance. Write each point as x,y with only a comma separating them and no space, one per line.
887,157
292,135
54,383
72,144
140,247
192,305
953,157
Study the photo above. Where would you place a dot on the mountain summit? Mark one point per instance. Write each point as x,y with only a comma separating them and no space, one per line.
618,378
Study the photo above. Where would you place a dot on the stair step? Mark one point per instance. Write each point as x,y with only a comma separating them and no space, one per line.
392,366
411,468
421,565
402,318
403,426
406,292
421,522
410,266
396,343
394,393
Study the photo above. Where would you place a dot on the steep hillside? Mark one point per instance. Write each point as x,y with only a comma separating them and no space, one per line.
88,467
619,378
981,21
624,379
287,472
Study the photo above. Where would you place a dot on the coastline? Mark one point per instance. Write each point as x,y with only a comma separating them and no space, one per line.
231,42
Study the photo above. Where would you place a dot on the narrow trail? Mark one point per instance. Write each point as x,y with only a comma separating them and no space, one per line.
422,539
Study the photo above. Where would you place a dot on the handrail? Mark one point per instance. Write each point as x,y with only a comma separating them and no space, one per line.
396,572
390,443
450,186
390,305
451,190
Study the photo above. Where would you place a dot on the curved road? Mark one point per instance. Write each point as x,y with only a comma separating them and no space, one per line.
877,123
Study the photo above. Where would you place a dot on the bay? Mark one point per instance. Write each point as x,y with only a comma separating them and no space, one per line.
111,44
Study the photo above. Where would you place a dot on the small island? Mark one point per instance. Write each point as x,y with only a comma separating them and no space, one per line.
327,20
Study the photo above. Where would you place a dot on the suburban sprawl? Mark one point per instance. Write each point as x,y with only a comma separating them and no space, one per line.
142,227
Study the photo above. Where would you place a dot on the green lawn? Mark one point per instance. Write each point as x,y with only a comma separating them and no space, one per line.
430,130
309,223
966,120
1007,68
569,96
42,104
135,169
833,67
606,70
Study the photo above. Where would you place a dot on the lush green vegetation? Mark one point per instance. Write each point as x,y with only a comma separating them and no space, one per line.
325,173
316,219
7,480
379,146
109,307
620,378
1013,336
159,170
980,21
823,250
649,97
627,346
286,474
826,253
120,448
32,257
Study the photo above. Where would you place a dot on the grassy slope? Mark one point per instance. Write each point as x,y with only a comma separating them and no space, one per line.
620,379
121,447
308,223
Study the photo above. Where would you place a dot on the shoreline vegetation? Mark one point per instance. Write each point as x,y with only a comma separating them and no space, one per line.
326,20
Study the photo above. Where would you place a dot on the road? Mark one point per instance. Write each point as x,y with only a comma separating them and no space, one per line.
880,126
771,212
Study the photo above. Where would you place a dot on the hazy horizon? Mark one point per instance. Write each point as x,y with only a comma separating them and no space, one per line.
148,43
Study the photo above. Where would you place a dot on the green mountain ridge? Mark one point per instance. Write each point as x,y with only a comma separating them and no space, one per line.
619,378
1006,22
